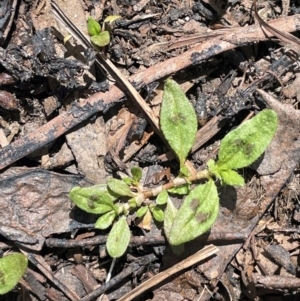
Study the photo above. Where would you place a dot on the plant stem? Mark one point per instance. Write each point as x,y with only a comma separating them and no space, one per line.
110,270
203,174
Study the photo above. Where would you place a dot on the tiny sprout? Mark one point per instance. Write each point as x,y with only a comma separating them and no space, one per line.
94,27
100,37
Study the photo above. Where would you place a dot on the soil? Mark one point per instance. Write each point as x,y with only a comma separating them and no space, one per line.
72,115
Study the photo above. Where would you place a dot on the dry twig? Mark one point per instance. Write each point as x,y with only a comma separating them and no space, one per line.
102,101
186,263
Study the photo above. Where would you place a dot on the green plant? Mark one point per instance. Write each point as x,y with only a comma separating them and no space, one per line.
100,37
199,210
12,268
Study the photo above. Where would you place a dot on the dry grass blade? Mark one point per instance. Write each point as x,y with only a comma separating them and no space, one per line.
186,263
97,102
110,67
284,36
121,80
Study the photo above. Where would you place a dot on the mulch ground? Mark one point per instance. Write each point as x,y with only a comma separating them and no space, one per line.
70,116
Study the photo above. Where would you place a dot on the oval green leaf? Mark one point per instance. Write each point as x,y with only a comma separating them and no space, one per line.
243,145
162,198
95,199
226,176
128,181
12,268
141,211
118,239
213,169
136,173
196,215
119,187
170,215
231,177
104,221
94,27
178,120
182,189
184,171
157,213
132,203
102,39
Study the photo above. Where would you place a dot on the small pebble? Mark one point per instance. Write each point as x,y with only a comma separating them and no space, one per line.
6,79
8,101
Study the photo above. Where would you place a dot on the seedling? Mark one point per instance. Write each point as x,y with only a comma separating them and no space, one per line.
12,268
100,37
118,198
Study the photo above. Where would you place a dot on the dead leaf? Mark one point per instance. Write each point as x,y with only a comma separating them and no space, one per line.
88,145
34,204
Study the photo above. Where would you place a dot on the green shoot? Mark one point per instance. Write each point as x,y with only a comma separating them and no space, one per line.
199,210
100,38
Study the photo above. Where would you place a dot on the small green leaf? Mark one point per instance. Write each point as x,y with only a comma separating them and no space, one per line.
162,198
243,145
128,181
140,198
157,213
196,215
104,221
112,18
226,176
231,177
118,208
136,173
170,214
12,268
142,211
102,39
132,203
182,189
146,221
119,187
184,171
118,239
94,199
213,169
94,27
178,120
